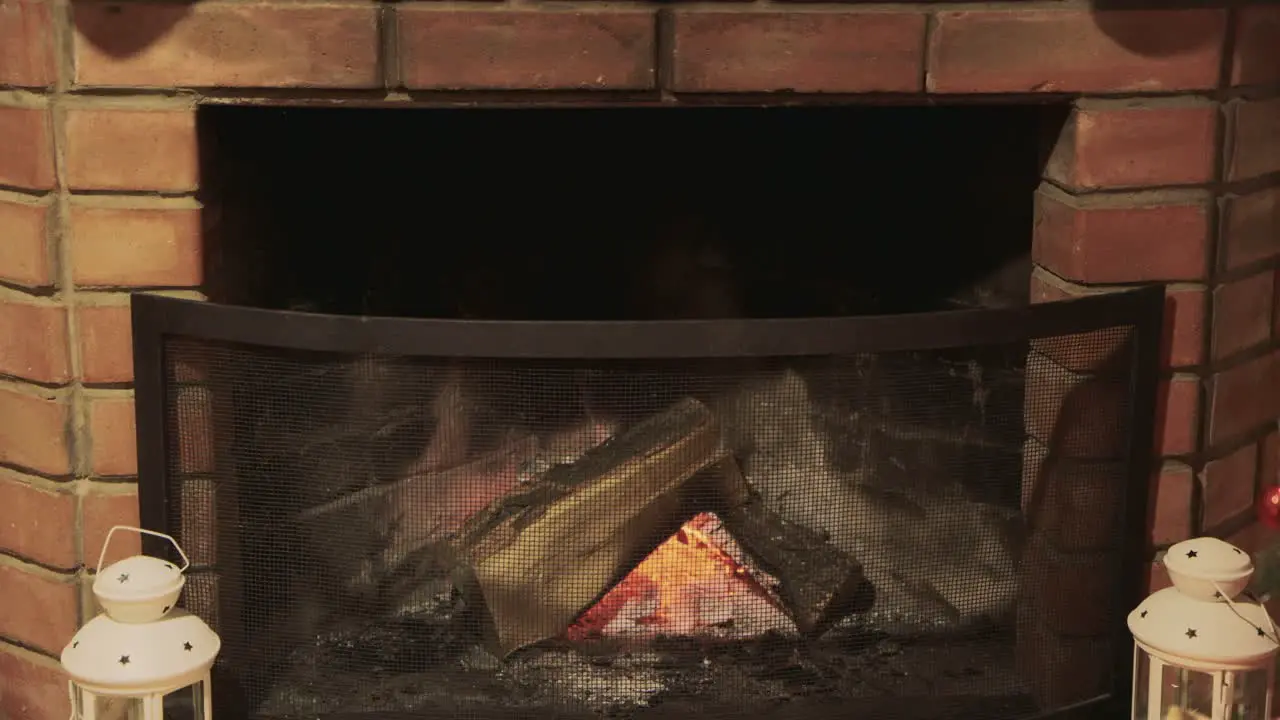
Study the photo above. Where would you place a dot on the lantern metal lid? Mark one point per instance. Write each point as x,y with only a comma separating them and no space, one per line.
140,643
110,656
1207,568
1204,617
140,588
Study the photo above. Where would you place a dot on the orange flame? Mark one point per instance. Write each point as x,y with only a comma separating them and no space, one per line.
688,584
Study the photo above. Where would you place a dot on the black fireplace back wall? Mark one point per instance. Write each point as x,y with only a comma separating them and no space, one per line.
493,214
444,518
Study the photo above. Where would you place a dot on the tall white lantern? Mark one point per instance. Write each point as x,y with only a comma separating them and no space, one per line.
1203,650
126,661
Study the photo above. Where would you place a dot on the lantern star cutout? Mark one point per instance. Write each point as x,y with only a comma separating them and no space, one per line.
1261,633
124,659
1142,614
124,577
187,646
1192,553
1191,633
76,644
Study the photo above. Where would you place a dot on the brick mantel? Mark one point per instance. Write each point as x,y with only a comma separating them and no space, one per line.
1168,171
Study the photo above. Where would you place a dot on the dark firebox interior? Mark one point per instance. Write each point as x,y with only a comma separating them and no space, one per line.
911,462
623,213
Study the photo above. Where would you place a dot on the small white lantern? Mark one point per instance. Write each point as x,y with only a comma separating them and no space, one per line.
1202,650
127,660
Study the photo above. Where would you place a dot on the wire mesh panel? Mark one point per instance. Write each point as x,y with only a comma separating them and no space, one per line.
905,533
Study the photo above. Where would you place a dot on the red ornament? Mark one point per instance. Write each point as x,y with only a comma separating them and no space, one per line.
1269,507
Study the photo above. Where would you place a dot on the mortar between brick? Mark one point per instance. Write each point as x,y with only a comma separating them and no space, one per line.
1129,198
23,99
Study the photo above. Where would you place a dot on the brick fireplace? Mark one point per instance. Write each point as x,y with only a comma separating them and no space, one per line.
1167,171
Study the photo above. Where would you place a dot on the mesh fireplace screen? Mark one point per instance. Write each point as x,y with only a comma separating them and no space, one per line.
923,516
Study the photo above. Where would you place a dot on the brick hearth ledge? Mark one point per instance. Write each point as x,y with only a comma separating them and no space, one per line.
1167,172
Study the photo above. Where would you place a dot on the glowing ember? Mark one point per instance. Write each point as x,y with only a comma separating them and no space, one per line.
697,582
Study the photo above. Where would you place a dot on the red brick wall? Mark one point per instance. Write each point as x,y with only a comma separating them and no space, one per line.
1168,171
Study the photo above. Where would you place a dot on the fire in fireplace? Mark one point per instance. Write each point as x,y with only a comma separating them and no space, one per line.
509,422
697,582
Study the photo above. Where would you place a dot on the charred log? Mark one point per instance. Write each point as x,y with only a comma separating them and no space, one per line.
538,557
818,584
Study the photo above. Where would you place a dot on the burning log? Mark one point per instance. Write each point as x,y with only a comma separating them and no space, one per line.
413,517
538,557
818,584
566,447
508,458
698,582
748,573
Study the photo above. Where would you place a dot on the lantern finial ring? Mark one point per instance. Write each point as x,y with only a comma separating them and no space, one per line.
186,563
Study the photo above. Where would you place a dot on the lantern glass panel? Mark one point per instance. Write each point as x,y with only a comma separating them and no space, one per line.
1141,684
90,706
1248,693
1186,693
185,704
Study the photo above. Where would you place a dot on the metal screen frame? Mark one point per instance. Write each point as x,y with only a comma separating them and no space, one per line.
156,318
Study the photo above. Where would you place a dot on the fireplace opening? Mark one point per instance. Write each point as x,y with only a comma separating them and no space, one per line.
411,485
624,213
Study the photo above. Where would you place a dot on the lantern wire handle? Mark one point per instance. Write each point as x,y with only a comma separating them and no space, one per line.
1231,604
186,563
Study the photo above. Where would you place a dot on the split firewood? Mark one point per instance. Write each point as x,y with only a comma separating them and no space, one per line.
537,558
444,453
430,503
567,446
451,440
415,555
423,509
935,559
516,452
817,583
433,506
